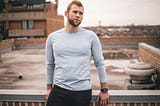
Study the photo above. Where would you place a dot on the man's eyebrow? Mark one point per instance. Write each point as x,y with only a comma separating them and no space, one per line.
75,11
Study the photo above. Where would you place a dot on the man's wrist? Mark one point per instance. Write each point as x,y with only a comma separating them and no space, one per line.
49,86
104,90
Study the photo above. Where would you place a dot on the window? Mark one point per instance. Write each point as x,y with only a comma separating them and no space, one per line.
29,7
24,24
27,24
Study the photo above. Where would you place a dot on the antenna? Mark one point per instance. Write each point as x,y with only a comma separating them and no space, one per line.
99,23
56,3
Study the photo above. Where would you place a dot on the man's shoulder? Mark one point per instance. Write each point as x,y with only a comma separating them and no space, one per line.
57,31
88,31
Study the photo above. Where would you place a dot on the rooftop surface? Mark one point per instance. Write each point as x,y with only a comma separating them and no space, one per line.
30,63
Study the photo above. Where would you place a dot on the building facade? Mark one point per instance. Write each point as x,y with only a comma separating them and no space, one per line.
28,18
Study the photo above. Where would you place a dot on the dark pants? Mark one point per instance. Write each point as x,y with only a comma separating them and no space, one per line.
64,97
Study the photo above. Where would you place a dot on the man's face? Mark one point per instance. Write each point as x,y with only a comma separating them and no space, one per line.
75,15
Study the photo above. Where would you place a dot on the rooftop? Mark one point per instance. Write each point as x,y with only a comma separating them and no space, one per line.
30,63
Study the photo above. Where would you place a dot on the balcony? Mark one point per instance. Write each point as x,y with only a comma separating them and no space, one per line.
23,8
11,8
22,16
117,98
27,33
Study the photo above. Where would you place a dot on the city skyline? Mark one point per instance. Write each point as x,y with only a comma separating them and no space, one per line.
116,12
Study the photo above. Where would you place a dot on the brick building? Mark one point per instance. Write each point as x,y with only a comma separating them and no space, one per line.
29,18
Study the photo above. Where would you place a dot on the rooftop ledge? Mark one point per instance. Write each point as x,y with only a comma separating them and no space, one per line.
116,96
151,48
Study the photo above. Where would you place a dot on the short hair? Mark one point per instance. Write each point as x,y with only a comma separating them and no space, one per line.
76,2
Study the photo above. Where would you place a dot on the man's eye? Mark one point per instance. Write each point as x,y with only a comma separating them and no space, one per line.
80,13
75,12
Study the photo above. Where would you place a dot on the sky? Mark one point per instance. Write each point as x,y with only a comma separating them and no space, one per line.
117,12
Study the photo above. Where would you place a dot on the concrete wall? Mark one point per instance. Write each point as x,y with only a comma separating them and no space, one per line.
117,98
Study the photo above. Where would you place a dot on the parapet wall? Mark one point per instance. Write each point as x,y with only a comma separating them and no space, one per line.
11,44
6,45
149,54
117,98
30,43
40,42
129,40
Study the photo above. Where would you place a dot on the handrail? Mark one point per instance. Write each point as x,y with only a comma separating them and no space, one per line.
116,96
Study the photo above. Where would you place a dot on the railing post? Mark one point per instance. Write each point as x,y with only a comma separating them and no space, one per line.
0,47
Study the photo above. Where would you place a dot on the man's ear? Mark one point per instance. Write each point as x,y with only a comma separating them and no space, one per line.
66,13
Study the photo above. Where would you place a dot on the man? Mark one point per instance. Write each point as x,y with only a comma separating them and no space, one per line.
68,53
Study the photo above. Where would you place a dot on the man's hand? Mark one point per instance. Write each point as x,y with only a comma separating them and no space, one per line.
49,88
103,98
47,94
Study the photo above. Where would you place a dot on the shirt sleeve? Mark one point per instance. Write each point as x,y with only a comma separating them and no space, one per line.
98,58
50,65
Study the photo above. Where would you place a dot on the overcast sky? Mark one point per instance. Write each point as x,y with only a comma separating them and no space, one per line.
117,12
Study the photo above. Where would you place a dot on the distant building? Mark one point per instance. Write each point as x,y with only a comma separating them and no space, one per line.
29,18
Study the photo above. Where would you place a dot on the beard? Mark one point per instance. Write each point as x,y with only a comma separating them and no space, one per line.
71,21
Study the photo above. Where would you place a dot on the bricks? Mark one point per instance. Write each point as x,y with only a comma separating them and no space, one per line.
149,54
41,41
39,21
32,41
6,43
130,40
10,43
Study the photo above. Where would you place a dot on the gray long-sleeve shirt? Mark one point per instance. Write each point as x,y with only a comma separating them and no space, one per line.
68,58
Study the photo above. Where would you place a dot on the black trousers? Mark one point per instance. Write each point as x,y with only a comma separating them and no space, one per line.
63,97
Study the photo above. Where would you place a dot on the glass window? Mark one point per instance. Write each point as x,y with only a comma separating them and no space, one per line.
27,24
24,24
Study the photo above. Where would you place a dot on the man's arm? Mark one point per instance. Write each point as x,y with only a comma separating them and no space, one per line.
49,86
49,65
97,53
104,85
103,96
